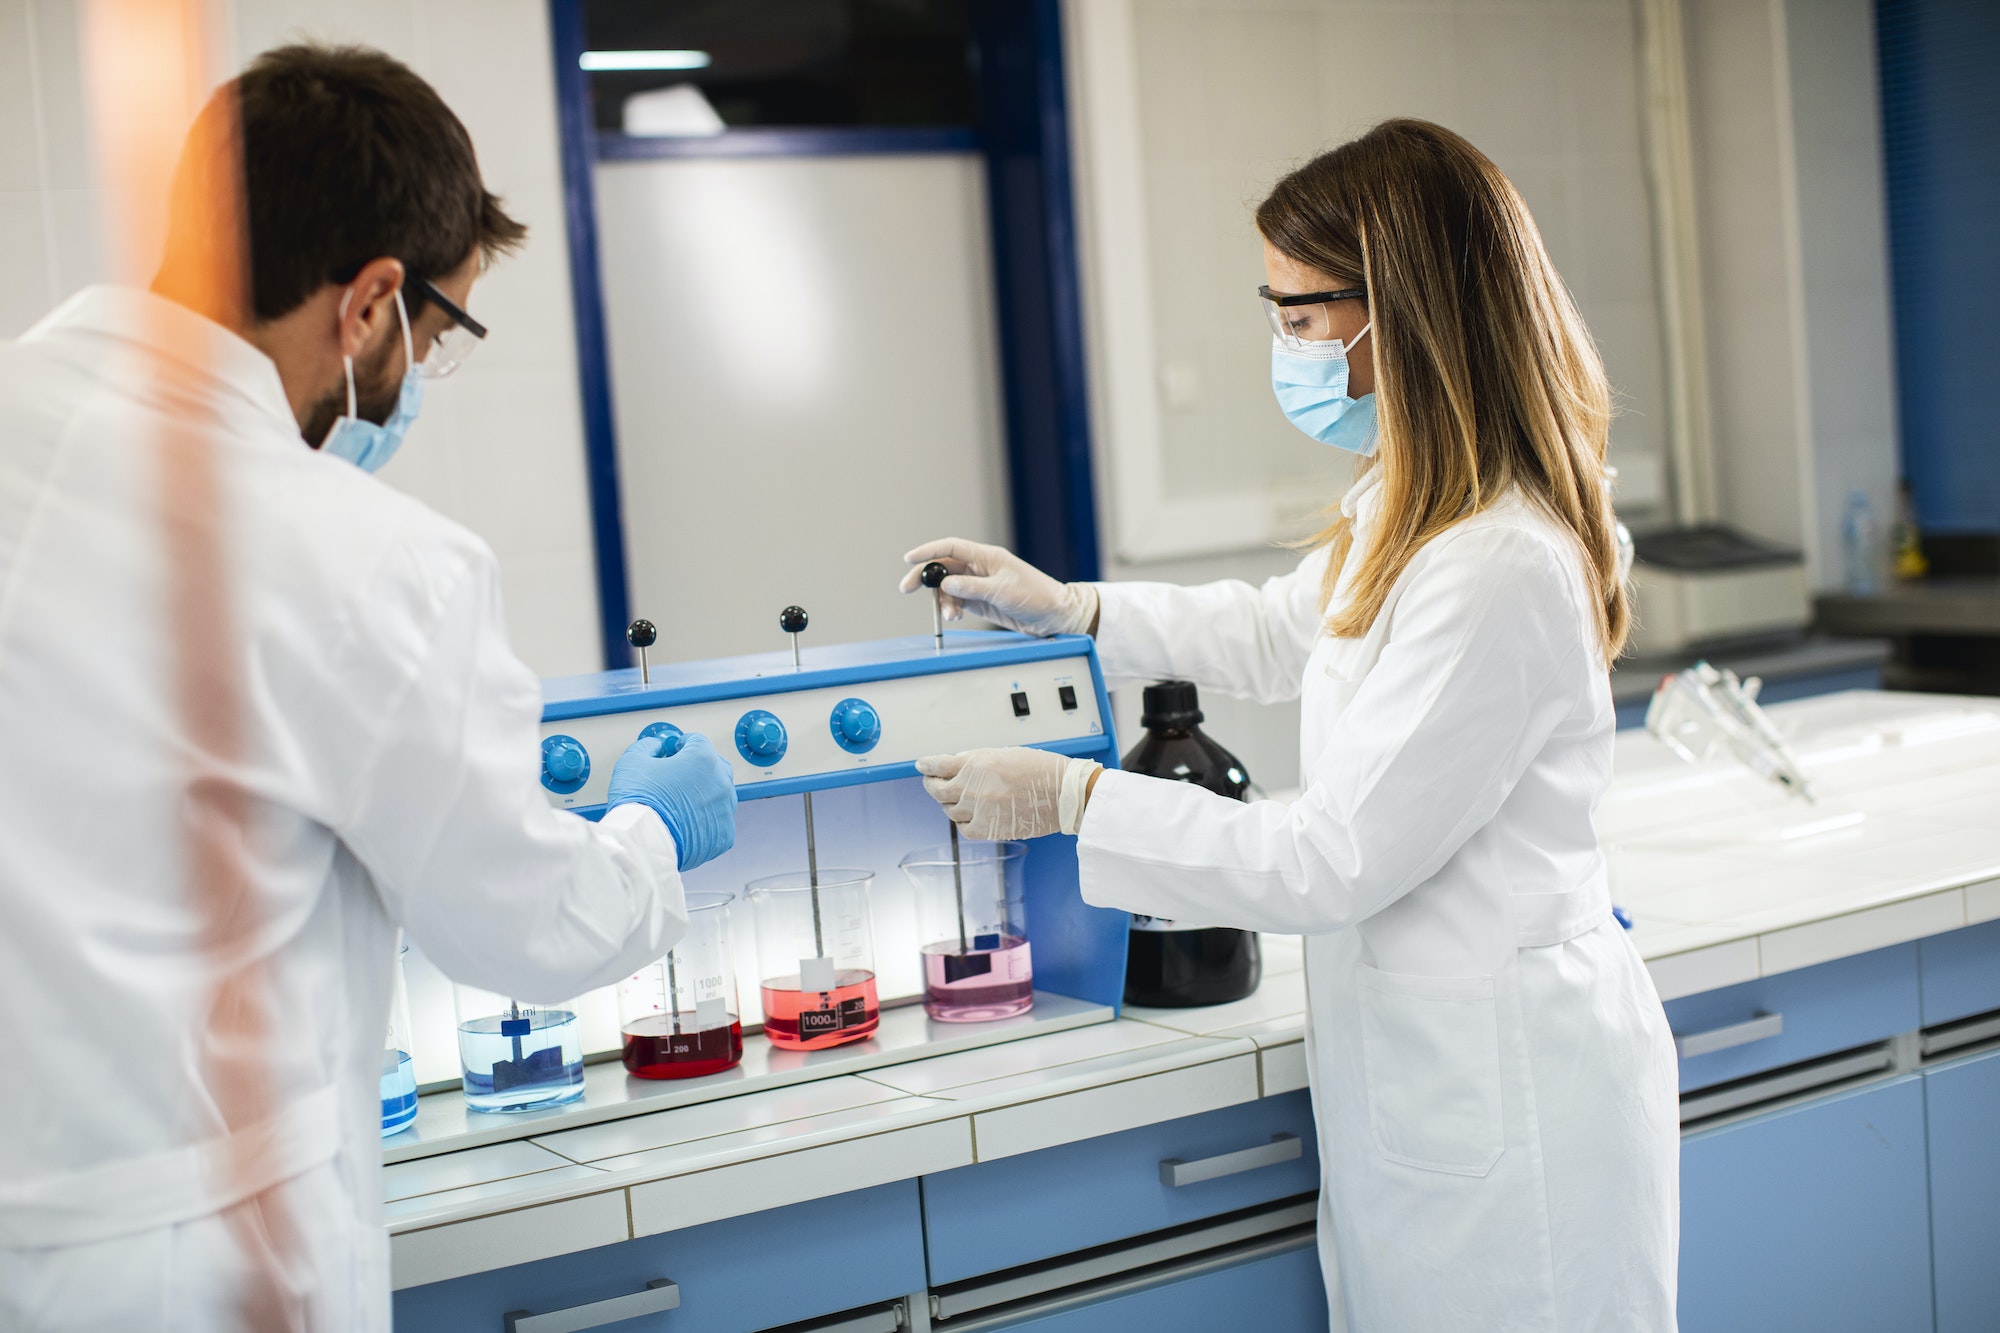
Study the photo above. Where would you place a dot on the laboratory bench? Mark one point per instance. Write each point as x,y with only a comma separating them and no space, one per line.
1945,630
1831,973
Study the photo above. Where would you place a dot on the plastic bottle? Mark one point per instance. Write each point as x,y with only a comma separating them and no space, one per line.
1908,544
1859,541
1169,965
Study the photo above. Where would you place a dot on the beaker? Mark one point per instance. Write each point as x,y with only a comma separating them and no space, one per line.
678,1015
972,913
399,1075
816,958
515,1056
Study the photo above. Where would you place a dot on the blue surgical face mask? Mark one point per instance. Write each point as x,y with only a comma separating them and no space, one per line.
1310,381
363,443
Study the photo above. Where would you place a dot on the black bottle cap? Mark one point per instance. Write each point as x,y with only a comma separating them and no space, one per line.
1172,705
792,620
934,574
642,634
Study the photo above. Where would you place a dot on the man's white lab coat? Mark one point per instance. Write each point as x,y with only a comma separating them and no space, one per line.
1491,1069
257,709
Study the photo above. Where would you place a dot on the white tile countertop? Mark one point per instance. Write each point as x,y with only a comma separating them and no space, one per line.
1726,879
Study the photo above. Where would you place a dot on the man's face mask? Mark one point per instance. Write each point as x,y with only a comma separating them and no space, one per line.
362,442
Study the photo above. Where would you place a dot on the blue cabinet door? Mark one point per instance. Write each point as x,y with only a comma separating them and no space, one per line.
1814,1217
1963,1101
1279,1293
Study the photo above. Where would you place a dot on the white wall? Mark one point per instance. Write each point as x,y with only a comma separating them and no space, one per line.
1787,151
1850,359
805,383
1188,111
51,242
500,446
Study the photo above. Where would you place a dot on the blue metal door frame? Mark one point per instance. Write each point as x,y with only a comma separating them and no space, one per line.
1023,134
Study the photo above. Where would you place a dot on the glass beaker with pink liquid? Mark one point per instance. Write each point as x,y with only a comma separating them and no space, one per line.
972,910
816,957
678,1014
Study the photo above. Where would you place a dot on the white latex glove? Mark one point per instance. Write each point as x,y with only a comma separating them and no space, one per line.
1001,795
992,583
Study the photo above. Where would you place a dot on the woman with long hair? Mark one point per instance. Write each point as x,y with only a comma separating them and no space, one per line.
1491,1069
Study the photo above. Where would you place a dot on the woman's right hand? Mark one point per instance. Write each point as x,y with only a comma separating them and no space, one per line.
992,583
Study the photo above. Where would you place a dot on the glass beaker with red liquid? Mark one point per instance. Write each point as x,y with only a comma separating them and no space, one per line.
679,1015
816,958
971,909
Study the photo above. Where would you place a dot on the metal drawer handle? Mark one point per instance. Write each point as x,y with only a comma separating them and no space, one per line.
1736,1034
1281,1148
658,1296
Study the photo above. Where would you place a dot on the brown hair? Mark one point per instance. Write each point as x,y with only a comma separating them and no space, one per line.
331,156
1485,376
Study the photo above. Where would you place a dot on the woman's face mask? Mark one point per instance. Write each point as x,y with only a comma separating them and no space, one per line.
1310,381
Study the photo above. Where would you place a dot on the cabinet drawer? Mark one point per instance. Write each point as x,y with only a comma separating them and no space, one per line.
1278,1293
994,1215
1780,1020
735,1276
1961,973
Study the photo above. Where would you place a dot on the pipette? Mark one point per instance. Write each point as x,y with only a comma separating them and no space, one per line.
1694,710
934,575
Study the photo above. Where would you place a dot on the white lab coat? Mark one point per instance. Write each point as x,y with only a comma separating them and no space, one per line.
1491,1070
190,1136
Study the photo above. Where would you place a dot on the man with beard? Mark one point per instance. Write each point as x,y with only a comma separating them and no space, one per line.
260,711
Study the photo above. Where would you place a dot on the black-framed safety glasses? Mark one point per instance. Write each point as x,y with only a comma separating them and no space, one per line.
1304,317
449,351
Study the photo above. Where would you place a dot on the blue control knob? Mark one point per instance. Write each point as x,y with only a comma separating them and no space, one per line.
676,738
857,727
760,738
565,764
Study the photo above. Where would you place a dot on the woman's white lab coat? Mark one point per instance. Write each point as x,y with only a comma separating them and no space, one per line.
259,710
1491,1069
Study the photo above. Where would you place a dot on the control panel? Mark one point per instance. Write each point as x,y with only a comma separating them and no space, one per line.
842,728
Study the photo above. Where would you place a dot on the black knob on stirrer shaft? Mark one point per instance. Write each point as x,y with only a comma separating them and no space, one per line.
642,635
933,576
792,620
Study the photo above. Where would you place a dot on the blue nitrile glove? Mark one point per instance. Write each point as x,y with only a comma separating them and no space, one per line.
688,785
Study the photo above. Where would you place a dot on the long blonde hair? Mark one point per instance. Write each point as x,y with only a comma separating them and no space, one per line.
1485,376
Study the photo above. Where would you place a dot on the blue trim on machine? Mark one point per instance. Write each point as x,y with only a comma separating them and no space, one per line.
803,142
593,368
674,684
1100,748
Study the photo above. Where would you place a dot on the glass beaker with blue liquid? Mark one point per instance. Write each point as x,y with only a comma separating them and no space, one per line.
516,1056
399,1075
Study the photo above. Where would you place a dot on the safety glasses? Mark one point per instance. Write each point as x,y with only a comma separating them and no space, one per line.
1305,317
449,350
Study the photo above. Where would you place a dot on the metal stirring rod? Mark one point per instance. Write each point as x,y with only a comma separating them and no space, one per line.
958,887
792,620
673,995
812,877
